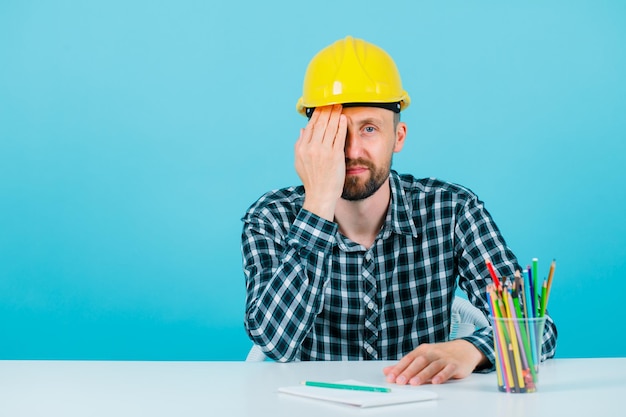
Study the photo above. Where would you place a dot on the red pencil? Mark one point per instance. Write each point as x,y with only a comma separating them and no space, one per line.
493,274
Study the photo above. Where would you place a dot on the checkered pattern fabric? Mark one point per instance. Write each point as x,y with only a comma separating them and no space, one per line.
312,294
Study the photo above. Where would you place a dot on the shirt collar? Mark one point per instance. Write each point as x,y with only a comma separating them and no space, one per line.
399,217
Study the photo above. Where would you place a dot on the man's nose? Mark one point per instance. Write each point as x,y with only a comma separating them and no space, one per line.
352,147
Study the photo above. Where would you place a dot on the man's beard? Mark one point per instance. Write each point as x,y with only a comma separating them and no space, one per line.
354,189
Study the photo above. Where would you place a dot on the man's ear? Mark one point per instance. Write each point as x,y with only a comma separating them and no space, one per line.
400,136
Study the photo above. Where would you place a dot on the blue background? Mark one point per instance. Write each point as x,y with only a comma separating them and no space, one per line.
134,134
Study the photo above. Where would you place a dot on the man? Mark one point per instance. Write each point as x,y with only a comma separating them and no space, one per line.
361,263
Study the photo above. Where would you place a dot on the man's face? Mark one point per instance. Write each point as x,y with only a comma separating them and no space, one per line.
372,139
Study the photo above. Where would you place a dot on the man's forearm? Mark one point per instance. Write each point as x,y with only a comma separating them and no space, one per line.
283,302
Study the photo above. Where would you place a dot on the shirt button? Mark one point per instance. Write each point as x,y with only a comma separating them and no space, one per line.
369,349
368,257
370,305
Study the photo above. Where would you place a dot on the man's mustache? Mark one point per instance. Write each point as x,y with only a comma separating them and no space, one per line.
351,163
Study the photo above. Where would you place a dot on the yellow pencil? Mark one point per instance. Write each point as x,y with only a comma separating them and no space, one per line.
508,374
517,362
501,341
505,338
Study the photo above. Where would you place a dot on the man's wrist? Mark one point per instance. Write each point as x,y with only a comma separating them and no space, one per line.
485,348
474,355
323,209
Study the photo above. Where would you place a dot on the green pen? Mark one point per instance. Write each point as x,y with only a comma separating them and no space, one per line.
345,386
536,287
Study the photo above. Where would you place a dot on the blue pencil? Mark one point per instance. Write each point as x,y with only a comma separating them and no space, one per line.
530,294
531,311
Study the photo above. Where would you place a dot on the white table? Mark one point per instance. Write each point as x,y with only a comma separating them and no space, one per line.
567,387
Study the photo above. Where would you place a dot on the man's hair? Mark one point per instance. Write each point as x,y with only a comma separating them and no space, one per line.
396,119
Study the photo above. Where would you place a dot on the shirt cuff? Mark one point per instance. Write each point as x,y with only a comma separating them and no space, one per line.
484,343
311,233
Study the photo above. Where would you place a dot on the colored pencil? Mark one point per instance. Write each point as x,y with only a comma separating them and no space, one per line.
536,285
345,386
492,272
501,342
530,294
550,277
498,345
544,298
517,344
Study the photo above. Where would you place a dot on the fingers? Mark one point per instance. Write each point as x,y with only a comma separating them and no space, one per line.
325,126
342,130
320,160
436,372
329,122
393,372
445,374
414,369
421,371
435,363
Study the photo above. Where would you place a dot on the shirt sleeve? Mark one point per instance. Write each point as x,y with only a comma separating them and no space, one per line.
286,272
478,239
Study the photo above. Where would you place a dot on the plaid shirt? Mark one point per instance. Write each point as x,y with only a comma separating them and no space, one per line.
313,294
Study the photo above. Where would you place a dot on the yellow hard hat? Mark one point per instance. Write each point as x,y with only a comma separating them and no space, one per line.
352,71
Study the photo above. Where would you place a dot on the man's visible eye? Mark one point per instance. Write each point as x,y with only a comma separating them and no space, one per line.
369,129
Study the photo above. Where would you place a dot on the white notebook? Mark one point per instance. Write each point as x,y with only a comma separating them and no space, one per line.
397,395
